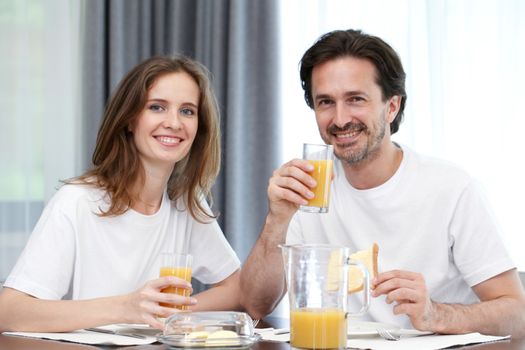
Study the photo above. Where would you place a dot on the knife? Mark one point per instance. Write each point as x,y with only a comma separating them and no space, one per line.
116,332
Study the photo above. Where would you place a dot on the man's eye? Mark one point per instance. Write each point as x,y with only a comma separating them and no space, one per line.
324,102
356,99
156,108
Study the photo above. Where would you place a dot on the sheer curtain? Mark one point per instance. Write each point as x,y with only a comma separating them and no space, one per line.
465,73
38,126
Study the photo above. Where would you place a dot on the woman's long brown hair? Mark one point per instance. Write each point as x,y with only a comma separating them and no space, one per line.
116,163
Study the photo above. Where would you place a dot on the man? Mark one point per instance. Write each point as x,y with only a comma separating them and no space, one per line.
444,267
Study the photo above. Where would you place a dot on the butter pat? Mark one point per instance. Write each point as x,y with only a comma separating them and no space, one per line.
222,338
197,335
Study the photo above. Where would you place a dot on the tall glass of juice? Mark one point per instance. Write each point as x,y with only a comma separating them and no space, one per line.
321,157
178,265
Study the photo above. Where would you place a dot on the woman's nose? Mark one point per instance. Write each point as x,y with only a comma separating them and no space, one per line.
172,121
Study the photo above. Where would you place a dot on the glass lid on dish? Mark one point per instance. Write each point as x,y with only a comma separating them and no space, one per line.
209,329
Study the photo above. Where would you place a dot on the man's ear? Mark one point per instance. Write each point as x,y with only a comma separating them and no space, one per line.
393,105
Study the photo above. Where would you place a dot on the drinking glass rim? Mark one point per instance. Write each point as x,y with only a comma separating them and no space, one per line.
324,246
318,144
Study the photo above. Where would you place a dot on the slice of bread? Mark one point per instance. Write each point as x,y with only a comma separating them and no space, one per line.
355,277
369,259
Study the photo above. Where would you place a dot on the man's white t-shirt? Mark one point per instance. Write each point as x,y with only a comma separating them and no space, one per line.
74,253
429,217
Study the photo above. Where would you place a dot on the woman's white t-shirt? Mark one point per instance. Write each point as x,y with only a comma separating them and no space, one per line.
75,254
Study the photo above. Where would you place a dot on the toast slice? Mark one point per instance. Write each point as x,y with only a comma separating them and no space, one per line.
369,259
355,277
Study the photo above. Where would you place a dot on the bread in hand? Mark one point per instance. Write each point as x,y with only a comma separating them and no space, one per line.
368,258
355,277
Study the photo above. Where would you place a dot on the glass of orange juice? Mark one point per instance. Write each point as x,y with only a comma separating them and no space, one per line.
321,157
178,265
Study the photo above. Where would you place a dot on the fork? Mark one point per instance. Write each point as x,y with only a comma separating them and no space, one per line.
255,322
387,335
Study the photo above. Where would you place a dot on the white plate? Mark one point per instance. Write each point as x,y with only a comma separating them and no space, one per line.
368,328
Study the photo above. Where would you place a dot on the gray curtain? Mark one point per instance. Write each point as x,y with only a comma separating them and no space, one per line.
238,41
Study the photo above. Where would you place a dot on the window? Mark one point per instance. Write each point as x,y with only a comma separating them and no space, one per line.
38,127
465,73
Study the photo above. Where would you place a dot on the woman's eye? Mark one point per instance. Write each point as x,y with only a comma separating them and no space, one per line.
156,108
188,111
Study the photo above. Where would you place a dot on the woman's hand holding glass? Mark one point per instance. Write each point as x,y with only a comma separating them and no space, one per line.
143,305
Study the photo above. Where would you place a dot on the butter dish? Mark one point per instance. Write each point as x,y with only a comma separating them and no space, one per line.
212,329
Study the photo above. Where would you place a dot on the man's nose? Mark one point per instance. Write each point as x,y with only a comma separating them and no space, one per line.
342,115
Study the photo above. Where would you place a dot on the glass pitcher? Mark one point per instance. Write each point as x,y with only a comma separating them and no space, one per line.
317,280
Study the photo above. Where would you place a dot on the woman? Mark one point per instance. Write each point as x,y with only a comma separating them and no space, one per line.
98,239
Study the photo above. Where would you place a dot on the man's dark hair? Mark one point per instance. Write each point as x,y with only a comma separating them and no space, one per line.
354,43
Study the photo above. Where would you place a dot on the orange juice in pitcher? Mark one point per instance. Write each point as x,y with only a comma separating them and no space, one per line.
317,283
312,328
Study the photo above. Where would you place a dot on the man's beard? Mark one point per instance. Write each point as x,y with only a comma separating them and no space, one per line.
369,151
